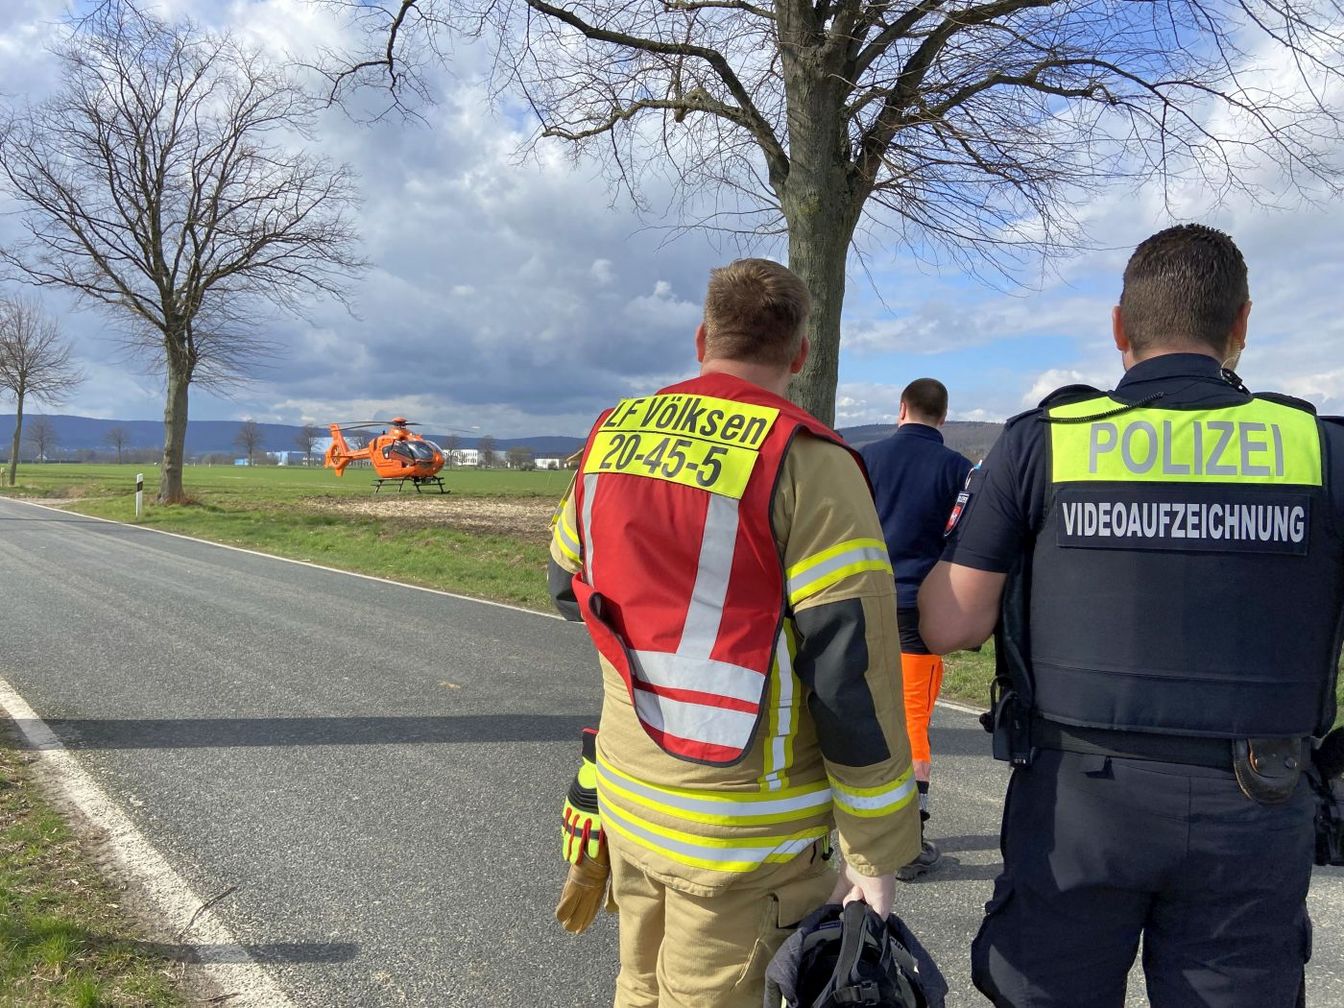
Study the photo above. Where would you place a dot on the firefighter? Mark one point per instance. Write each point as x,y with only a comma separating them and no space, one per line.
722,548
1165,559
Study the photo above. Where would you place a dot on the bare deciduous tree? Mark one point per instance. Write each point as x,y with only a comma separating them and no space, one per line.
34,363
248,439
42,436
117,438
961,128
305,439
452,445
485,452
160,183
520,457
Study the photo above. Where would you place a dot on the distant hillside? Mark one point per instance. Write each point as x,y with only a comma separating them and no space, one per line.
204,437
973,439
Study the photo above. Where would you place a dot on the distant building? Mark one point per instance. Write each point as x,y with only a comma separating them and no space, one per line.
292,457
548,463
464,457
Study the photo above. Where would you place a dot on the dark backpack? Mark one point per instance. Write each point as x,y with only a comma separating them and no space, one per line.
850,957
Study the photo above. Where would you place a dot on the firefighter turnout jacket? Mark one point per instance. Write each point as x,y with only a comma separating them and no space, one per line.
731,570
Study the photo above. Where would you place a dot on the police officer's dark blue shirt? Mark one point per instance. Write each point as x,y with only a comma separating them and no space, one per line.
1009,492
916,479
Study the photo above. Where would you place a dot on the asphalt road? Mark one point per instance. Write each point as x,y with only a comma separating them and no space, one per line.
378,770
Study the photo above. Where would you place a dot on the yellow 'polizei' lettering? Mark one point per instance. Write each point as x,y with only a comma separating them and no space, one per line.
1258,442
697,441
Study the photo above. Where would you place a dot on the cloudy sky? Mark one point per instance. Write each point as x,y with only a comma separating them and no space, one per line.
521,295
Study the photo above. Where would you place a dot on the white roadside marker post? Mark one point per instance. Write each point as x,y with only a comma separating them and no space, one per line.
139,494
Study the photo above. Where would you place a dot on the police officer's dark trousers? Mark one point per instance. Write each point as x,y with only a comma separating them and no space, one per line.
1099,851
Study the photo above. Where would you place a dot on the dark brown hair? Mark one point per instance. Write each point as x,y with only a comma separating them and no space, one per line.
927,398
1183,286
755,310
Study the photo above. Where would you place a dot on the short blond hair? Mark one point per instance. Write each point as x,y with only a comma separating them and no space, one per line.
755,311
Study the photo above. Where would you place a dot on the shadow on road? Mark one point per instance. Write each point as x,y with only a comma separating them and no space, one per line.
968,842
199,733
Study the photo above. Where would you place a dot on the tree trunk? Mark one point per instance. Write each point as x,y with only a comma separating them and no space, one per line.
815,196
174,435
18,433
818,245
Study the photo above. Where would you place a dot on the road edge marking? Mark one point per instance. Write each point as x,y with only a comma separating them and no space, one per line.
289,560
175,905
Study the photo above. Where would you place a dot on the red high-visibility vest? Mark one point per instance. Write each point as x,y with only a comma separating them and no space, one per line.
682,586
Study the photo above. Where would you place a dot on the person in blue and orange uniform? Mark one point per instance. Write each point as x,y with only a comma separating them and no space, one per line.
1166,564
722,547
916,479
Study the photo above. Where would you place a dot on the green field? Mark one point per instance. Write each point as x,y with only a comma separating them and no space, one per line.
276,484
301,514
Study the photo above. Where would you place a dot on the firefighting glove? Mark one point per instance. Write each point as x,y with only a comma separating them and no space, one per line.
584,892
584,846
581,835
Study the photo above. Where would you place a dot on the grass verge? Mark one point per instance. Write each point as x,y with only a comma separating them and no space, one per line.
65,941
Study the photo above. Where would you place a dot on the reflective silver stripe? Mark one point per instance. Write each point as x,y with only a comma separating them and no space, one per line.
696,722
778,746
897,795
861,554
704,675
589,492
689,848
819,799
705,612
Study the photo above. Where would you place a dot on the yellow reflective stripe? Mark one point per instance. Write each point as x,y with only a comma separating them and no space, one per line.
871,802
713,853
784,705
1259,442
565,537
714,808
830,566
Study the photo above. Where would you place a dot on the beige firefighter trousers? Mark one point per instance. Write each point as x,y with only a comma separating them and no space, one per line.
684,951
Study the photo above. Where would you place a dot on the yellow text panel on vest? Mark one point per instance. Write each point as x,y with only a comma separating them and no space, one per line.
1259,442
695,440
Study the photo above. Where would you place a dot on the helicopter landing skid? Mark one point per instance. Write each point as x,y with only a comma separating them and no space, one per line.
416,481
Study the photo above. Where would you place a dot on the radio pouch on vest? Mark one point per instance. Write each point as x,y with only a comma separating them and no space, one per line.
1267,769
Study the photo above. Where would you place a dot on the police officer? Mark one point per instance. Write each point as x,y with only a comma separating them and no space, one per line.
916,479
721,546
1165,560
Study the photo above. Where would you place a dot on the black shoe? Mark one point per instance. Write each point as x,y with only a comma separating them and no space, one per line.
928,859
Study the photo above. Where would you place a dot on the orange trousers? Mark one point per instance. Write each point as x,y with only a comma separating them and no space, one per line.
923,675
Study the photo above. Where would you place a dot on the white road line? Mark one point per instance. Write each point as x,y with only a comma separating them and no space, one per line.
222,958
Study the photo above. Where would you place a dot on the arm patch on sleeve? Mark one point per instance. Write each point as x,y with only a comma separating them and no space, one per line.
832,662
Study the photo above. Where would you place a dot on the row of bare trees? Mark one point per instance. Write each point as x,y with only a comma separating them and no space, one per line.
161,184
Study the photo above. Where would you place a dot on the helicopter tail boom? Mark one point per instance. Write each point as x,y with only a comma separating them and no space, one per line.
340,455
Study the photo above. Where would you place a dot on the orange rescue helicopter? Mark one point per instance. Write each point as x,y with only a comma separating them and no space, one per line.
397,454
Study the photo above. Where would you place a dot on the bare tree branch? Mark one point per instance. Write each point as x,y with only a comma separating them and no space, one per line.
162,184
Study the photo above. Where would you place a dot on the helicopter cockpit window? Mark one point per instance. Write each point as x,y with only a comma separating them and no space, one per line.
423,451
411,451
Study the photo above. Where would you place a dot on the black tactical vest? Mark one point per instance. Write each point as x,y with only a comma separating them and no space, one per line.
1188,576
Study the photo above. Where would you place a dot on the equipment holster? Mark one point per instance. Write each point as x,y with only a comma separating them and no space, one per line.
1268,769
1329,817
1008,721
